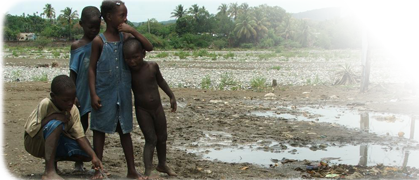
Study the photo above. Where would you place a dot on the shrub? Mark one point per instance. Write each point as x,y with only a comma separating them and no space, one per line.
229,55
219,44
206,82
258,83
42,42
290,44
246,45
276,67
227,80
182,54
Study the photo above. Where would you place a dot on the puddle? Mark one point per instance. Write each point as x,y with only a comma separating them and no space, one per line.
373,122
368,155
216,145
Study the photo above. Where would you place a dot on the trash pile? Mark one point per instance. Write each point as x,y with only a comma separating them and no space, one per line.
343,171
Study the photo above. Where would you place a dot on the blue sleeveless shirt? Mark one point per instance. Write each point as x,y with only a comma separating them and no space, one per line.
79,63
113,86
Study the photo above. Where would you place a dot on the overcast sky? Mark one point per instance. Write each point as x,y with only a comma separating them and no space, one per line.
141,10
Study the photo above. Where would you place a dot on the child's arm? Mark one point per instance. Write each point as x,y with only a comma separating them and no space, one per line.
85,145
73,76
165,87
124,27
94,57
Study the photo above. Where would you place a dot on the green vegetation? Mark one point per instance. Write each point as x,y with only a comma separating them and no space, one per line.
277,68
227,80
43,77
206,82
259,27
258,83
162,55
182,54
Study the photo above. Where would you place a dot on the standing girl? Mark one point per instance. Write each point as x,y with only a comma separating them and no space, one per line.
110,83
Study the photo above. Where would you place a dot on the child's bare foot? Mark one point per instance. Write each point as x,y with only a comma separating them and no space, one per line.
51,175
136,175
166,169
97,175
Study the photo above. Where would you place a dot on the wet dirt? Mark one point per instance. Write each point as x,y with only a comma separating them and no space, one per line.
218,120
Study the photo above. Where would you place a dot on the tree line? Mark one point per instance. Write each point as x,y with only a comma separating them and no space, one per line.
233,26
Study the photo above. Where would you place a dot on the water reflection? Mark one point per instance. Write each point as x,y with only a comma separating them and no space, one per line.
373,122
366,155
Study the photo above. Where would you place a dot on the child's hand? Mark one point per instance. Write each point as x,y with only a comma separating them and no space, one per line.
173,104
96,102
124,27
97,164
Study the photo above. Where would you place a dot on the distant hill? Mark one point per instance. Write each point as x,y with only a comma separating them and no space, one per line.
163,22
382,10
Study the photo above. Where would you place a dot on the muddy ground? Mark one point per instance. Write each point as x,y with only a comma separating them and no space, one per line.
202,112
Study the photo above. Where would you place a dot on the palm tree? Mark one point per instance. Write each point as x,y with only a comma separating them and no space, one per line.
222,9
49,12
68,15
244,27
194,11
286,29
261,22
244,8
304,33
233,10
178,12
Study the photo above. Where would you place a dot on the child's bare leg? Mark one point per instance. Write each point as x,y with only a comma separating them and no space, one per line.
98,144
78,166
51,144
126,143
161,130
147,127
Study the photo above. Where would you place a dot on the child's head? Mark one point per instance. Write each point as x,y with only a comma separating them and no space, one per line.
133,53
63,92
90,21
113,12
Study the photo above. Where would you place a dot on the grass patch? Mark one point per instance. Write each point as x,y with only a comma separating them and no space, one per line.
200,53
182,54
229,55
266,56
227,80
42,78
277,68
56,54
162,55
206,82
258,83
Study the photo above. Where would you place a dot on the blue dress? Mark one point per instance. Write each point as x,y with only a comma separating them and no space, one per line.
79,63
113,86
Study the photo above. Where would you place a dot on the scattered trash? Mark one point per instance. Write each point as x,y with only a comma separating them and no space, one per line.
332,175
270,95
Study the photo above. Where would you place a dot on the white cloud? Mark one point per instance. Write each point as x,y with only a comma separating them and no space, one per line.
2,2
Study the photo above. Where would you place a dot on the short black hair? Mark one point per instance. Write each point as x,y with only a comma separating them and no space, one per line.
90,12
108,6
132,44
61,83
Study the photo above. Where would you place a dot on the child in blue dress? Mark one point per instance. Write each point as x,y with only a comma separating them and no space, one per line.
110,83
79,64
